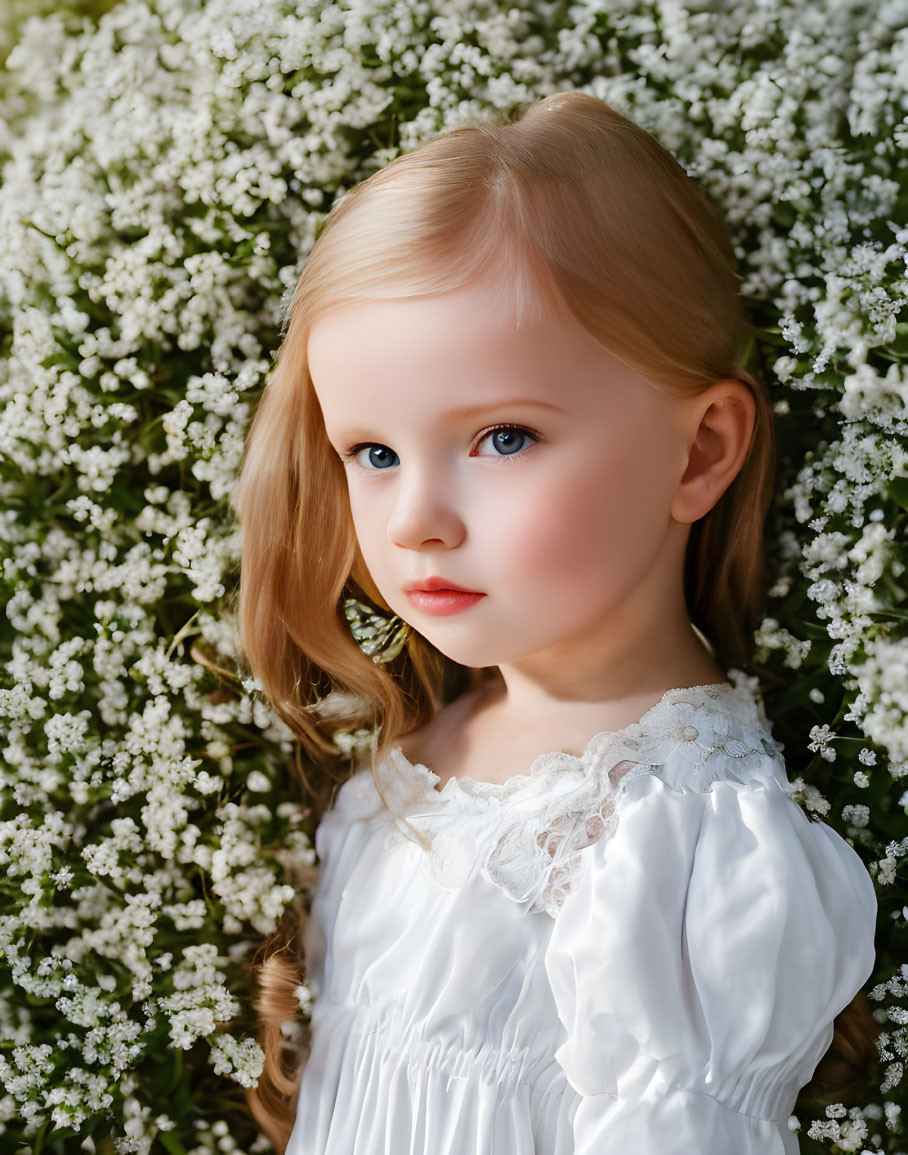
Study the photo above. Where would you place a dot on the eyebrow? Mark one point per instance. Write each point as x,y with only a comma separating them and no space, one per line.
474,410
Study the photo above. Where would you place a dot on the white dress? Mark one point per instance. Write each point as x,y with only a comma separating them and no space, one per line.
639,951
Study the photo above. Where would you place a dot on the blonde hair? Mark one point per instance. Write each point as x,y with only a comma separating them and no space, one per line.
587,213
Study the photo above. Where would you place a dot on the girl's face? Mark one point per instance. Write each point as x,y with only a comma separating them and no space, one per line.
528,464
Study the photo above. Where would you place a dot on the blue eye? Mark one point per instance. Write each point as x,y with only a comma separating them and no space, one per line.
378,455
510,439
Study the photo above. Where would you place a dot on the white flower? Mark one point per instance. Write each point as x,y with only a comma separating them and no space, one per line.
161,192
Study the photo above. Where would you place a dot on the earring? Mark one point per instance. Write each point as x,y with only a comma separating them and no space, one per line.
379,637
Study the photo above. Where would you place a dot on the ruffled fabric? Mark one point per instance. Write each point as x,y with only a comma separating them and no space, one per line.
642,949
699,965
525,835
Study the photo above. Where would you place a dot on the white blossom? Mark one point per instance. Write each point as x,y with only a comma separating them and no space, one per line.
164,173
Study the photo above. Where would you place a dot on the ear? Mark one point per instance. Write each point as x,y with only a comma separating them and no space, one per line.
718,430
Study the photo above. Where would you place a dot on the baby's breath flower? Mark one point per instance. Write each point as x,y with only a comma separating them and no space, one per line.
160,193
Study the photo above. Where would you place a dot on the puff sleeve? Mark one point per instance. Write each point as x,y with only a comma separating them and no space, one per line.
698,964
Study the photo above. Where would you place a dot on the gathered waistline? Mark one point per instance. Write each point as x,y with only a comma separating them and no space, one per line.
779,1120
403,1039
646,1100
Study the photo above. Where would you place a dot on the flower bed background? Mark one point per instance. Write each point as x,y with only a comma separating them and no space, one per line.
166,166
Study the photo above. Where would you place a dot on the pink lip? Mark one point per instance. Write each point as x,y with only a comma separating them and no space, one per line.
435,582
442,602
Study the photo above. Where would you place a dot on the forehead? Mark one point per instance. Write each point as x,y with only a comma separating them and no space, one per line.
489,310
467,346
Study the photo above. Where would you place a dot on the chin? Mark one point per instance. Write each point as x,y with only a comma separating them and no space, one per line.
461,652
480,655
464,656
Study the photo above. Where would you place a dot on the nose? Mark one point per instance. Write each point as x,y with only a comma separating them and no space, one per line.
425,511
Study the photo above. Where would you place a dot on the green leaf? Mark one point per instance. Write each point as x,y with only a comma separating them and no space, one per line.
898,491
60,359
170,1142
62,1133
177,1070
811,630
897,349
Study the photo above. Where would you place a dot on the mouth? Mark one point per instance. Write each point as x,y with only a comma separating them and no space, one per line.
442,600
433,585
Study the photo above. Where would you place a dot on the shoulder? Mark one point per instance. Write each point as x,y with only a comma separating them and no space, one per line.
707,792
704,825
693,737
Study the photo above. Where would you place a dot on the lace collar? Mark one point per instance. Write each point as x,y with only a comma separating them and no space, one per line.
699,720
525,833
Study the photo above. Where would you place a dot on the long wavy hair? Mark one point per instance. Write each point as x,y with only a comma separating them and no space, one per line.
587,212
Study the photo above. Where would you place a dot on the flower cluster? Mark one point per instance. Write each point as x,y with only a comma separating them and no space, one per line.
165,169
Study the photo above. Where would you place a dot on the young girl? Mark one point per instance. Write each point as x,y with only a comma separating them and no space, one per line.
566,905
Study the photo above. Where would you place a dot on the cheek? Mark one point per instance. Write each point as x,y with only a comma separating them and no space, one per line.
370,530
597,521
